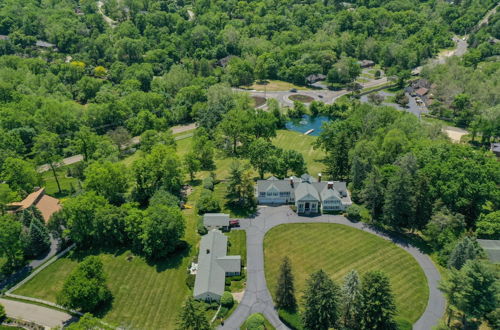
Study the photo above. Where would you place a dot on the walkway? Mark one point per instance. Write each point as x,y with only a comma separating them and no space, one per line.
37,314
257,298
25,271
134,141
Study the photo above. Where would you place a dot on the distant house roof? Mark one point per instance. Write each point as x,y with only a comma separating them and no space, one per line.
4,37
366,63
44,44
280,185
495,147
492,249
224,61
311,79
422,91
46,204
216,219
213,263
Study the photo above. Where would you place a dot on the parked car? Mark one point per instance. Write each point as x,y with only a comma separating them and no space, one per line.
234,223
293,90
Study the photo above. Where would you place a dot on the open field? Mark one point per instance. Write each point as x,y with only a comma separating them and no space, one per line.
303,144
145,295
337,249
274,86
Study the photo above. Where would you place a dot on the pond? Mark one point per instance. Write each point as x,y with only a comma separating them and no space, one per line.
307,123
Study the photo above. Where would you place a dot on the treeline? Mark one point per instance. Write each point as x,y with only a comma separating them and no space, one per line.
286,40
408,175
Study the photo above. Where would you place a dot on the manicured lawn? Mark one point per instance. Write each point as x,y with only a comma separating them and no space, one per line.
68,184
146,295
238,244
337,249
304,144
274,85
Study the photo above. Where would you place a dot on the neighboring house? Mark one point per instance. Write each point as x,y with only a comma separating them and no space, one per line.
308,194
311,79
421,91
366,64
213,266
495,148
46,204
223,62
216,221
492,249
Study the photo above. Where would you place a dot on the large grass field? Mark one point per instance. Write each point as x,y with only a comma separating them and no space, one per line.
274,85
145,295
337,249
304,144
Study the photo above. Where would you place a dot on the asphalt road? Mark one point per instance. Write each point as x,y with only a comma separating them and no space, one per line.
257,298
34,313
324,95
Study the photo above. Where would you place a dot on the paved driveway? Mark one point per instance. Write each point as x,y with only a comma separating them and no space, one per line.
40,315
257,298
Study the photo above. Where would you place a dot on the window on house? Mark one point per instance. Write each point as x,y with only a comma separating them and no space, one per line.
262,194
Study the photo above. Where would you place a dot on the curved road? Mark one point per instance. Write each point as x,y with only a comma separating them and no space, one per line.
257,298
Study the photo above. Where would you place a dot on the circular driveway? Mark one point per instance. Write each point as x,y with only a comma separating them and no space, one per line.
257,298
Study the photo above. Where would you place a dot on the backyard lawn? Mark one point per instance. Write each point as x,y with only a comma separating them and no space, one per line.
274,85
146,295
304,144
337,249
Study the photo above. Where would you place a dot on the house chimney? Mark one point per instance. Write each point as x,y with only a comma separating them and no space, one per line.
291,181
319,177
330,185
208,251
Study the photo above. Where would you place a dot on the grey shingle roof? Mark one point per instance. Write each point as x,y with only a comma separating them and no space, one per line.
492,249
212,264
306,191
281,185
215,219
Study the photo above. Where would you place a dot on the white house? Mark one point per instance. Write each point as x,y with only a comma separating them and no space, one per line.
213,266
216,221
308,194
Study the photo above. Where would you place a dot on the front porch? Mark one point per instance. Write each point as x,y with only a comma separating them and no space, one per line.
307,207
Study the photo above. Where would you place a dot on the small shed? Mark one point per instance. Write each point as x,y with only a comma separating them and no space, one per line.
216,221
422,91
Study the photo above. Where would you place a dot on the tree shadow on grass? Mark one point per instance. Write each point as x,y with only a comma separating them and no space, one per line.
173,260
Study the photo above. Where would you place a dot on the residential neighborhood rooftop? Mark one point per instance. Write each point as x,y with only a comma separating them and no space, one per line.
47,205
213,265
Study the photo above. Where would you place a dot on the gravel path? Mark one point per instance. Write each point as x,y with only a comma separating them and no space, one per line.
257,298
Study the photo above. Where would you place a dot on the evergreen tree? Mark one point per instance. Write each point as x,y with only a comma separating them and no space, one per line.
285,292
353,301
378,302
400,202
480,294
35,236
373,193
322,302
192,317
465,249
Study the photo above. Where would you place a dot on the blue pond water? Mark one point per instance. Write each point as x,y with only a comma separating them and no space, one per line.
306,123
